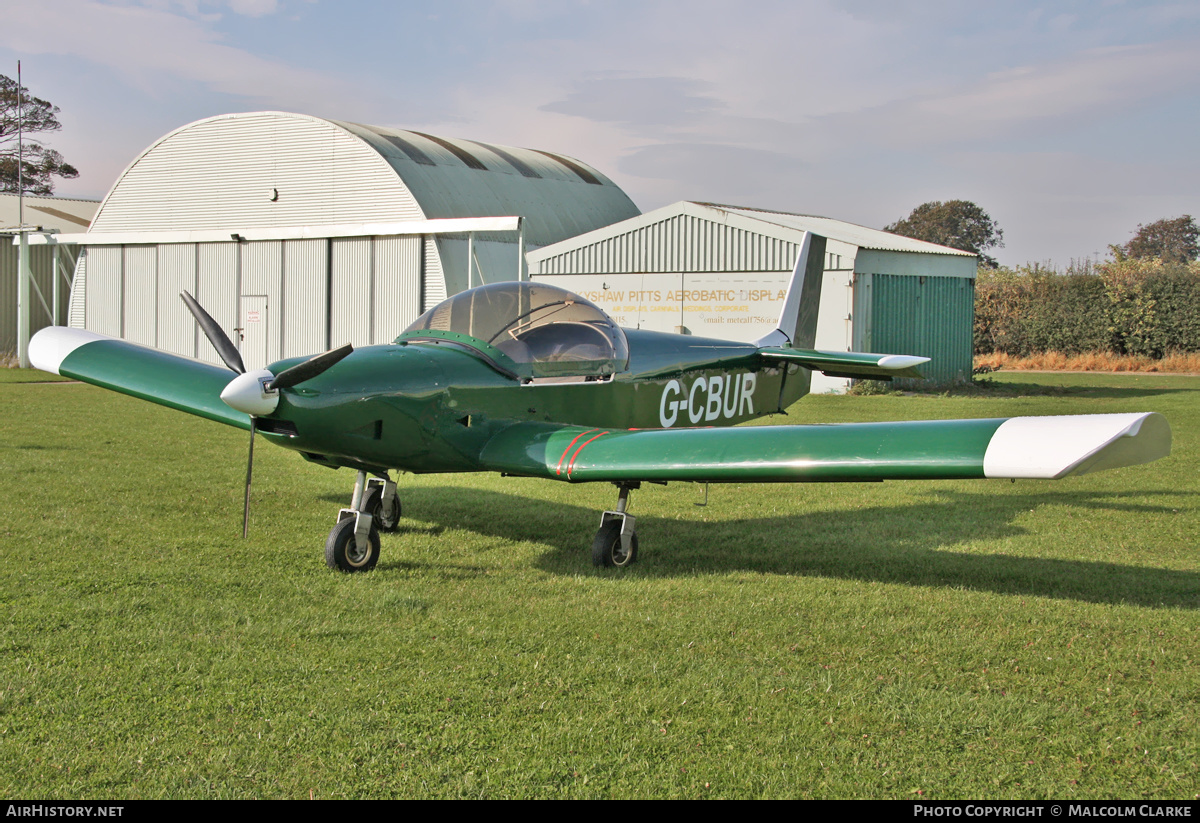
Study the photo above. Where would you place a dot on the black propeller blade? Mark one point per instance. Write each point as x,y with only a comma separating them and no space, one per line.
285,379
310,368
215,334
233,359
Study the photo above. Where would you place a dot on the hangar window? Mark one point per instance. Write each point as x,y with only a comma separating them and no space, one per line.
517,163
462,154
582,173
414,154
546,331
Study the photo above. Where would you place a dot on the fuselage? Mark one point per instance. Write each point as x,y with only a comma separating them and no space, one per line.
427,404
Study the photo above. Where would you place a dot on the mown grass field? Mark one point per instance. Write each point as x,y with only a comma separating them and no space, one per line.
979,639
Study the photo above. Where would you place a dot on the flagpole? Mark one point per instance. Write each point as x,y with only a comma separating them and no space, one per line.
24,276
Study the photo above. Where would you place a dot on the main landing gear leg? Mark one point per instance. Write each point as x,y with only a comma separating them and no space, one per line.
353,545
616,542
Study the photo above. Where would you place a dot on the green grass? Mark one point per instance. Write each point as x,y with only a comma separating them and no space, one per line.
978,639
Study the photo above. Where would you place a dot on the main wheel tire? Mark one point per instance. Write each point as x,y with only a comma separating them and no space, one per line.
607,550
343,553
387,518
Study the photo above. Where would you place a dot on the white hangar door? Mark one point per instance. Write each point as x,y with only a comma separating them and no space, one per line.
375,288
217,289
255,330
177,265
350,297
397,286
304,310
284,299
261,265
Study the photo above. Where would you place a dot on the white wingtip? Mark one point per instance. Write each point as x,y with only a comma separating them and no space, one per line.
1054,447
50,346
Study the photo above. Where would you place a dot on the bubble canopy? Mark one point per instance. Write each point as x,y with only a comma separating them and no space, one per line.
544,330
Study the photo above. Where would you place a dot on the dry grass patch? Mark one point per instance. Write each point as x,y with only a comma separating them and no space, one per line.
1175,362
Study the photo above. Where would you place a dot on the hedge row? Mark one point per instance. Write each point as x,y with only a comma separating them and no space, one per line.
1137,307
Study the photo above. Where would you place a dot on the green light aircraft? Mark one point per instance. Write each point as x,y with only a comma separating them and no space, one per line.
530,380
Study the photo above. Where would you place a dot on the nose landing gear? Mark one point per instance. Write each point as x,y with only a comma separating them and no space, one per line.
353,544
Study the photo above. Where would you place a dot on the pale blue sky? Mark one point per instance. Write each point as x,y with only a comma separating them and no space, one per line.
1069,122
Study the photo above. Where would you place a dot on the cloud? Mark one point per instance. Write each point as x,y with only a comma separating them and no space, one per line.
153,47
193,8
1091,85
253,8
1077,176
641,101
726,171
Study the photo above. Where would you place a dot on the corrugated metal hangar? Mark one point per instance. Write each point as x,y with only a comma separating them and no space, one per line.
720,271
304,233
50,264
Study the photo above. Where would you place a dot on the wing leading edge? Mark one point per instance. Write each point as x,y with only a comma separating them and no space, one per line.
167,379
1026,447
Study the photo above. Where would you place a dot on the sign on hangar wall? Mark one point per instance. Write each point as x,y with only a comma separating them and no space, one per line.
724,305
740,306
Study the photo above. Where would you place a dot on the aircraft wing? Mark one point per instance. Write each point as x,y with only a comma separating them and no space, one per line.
1027,447
849,364
167,379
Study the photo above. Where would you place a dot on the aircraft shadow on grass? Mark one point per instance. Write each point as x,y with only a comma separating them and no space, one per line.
912,544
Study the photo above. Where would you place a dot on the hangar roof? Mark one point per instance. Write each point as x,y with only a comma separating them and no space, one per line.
695,236
861,236
66,214
267,169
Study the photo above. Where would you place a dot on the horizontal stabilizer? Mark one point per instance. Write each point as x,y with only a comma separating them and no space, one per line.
167,379
850,364
947,449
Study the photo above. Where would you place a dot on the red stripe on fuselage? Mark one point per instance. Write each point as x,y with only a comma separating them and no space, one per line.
571,465
558,468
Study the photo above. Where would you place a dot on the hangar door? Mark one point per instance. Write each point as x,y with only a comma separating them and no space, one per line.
922,315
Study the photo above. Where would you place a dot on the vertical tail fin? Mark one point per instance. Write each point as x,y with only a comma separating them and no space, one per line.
798,318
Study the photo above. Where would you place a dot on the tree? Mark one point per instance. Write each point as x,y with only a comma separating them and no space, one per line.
1172,241
959,224
41,164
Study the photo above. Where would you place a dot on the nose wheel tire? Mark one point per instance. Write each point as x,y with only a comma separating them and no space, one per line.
386,513
607,549
343,553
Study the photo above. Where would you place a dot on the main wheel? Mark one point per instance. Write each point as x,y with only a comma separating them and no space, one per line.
385,514
607,549
343,553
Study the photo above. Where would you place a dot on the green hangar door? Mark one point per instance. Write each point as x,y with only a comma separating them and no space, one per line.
923,315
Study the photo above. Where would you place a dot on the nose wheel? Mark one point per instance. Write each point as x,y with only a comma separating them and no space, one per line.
383,504
353,544
348,550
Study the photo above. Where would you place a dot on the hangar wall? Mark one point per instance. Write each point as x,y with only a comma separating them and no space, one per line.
298,296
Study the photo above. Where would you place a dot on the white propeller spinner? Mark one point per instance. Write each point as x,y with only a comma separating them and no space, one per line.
248,393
